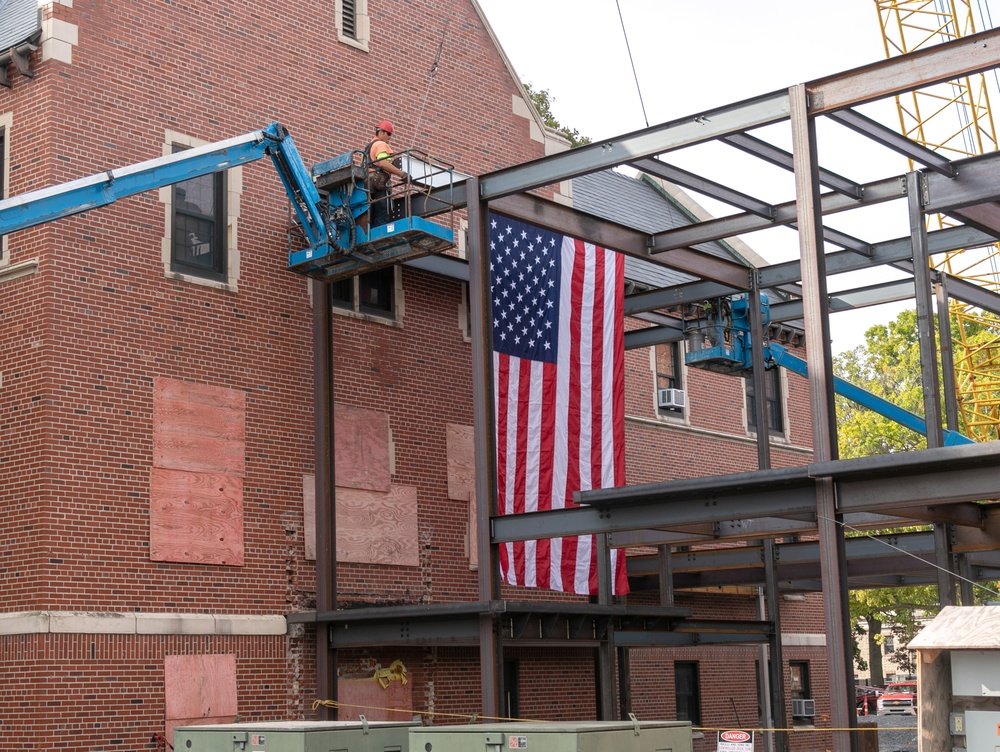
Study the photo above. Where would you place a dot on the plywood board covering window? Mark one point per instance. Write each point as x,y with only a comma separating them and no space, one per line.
198,689
376,519
196,482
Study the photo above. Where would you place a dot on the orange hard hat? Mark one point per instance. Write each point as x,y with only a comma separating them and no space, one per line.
386,126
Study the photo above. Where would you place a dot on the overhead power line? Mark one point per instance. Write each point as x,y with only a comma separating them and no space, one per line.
632,62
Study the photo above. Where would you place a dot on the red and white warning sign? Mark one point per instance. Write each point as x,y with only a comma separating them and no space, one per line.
735,741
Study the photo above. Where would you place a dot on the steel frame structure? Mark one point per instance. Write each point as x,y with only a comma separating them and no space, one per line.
941,485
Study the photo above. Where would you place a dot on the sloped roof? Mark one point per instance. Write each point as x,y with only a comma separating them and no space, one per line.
638,203
961,627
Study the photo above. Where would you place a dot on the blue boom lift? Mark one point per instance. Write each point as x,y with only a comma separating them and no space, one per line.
720,340
328,201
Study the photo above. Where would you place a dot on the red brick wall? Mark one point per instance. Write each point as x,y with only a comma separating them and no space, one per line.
82,340
103,692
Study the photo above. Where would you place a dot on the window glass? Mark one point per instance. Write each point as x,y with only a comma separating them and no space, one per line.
199,241
798,685
686,691
668,373
375,291
775,414
342,293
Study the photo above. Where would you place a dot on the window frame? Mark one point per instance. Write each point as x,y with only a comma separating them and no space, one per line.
352,302
353,13
691,705
668,380
775,390
228,207
803,689
217,271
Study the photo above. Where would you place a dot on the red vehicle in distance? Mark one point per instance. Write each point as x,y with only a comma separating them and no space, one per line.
899,698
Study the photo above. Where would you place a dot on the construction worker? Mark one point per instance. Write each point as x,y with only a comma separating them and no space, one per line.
381,171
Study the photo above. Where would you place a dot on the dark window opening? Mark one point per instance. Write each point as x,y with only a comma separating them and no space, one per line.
375,291
510,677
199,226
775,416
686,691
342,293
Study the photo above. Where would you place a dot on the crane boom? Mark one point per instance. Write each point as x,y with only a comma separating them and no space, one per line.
335,246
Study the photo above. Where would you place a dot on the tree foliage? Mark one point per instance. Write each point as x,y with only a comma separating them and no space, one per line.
888,365
543,103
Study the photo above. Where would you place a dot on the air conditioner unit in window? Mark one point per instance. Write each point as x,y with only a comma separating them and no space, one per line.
671,398
803,708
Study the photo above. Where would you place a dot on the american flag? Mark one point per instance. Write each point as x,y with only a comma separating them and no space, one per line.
559,392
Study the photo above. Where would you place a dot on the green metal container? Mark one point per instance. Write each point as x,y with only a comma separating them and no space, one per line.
295,736
583,736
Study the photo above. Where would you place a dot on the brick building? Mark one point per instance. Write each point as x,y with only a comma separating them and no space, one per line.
156,434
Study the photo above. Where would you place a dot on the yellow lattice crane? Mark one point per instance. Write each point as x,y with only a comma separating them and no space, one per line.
955,118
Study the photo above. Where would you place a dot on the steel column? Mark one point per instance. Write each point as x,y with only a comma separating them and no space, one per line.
326,563
490,645
809,220
947,353
604,655
915,187
775,686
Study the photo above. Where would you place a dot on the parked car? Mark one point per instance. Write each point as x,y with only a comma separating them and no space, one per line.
866,698
899,698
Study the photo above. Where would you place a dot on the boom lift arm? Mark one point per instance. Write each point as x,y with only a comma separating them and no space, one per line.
777,355
719,340
332,251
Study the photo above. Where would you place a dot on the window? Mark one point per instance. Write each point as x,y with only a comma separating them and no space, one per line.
371,294
199,226
889,646
352,23
798,686
465,313
668,373
686,691
3,187
775,413
200,240
510,677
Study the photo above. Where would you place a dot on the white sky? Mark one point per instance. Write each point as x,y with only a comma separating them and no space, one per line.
700,54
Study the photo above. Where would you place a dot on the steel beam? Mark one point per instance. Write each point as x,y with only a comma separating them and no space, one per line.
678,639
972,294
706,187
631,242
935,64
877,192
887,252
781,158
894,140
707,126
978,182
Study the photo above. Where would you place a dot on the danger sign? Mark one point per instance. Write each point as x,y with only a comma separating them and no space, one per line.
735,741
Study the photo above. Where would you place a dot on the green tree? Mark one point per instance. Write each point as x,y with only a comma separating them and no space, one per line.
543,103
888,365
